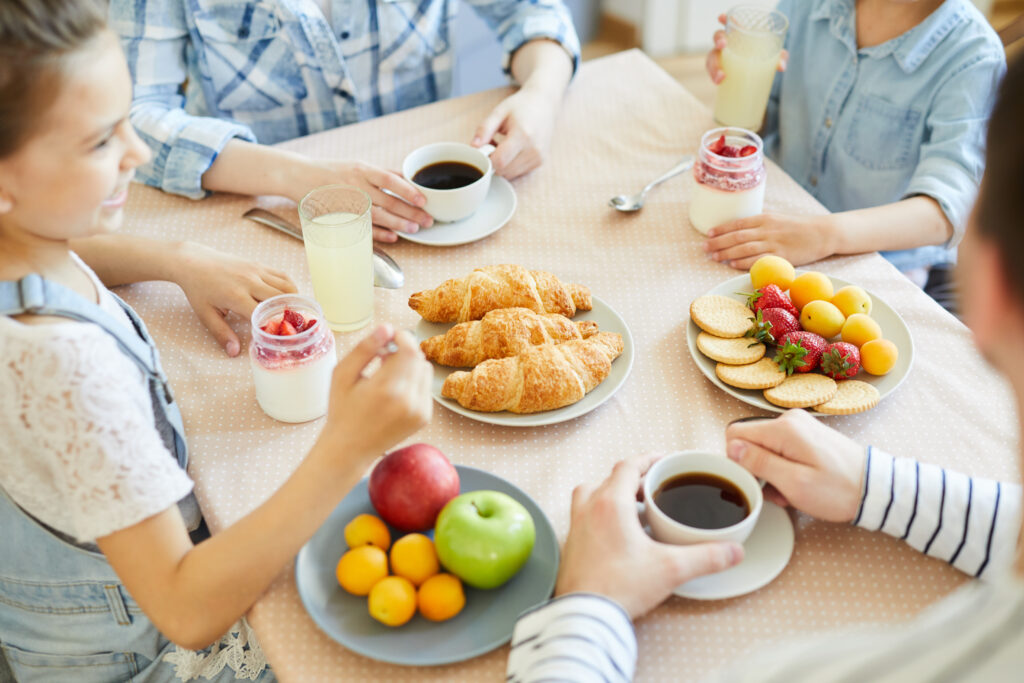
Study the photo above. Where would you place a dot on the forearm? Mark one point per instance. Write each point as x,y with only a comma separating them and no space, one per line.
122,259
912,222
249,168
542,65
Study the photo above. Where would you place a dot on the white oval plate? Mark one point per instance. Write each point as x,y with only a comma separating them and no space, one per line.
492,215
608,321
893,329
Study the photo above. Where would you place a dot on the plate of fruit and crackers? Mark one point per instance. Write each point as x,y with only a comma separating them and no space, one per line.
778,338
520,348
427,593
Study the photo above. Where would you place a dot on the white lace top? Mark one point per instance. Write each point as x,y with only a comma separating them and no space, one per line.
79,450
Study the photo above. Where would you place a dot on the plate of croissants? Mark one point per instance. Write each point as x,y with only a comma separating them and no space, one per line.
519,347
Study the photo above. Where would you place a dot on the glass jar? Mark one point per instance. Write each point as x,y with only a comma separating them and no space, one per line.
292,372
729,178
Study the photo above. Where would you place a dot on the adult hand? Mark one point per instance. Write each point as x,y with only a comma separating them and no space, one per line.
810,466
526,118
608,553
799,239
713,63
371,412
217,283
400,211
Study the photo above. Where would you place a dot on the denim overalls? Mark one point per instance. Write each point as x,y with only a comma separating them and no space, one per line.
64,614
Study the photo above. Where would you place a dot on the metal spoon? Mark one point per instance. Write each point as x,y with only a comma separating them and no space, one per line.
386,273
630,203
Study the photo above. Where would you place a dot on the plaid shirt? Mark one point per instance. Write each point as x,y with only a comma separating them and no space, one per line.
207,71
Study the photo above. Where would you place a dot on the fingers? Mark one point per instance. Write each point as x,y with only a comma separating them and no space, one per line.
784,434
772,495
415,217
745,263
580,497
221,331
713,65
392,182
690,561
383,218
783,60
722,19
350,368
736,225
506,153
761,462
384,235
527,161
490,126
279,281
749,250
401,363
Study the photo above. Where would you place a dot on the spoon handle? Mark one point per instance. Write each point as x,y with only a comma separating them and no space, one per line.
684,165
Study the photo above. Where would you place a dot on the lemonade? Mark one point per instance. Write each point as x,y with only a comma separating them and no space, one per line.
749,60
339,248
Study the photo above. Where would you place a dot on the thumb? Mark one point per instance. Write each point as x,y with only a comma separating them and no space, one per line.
350,368
214,321
486,131
690,561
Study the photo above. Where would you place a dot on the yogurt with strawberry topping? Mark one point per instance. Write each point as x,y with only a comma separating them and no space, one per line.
729,178
293,357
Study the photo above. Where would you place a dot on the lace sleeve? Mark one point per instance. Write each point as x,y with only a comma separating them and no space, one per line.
80,451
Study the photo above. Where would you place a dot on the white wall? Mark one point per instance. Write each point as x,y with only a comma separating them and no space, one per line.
630,10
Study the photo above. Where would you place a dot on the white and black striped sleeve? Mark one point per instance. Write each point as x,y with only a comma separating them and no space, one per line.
969,522
578,637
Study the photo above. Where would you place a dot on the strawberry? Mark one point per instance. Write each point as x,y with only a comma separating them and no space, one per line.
286,329
840,360
272,327
747,150
718,145
294,318
771,324
309,323
800,351
730,151
769,296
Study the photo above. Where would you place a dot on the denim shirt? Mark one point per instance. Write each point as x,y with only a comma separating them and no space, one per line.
865,127
207,71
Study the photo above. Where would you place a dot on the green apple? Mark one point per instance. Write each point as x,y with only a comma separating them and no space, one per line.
484,537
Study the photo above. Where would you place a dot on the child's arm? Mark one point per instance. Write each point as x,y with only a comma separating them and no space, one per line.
905,224
194,593
214,282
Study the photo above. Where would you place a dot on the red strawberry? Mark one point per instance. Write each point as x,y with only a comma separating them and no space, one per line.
747,150
769,296
771,324
271,327
730,151
799,351
309,323
718,145
840,360
286,329
294,318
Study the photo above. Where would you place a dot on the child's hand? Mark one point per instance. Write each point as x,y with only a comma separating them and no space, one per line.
217,283
714,60
799,239
370,414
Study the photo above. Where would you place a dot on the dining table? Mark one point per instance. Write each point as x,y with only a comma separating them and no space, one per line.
623,122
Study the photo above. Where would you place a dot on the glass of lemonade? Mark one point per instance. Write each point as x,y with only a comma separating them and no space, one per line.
754,39
338,234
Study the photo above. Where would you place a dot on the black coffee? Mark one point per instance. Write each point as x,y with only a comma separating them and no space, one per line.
701,500
447,175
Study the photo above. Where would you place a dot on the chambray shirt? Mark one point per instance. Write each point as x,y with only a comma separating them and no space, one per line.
207,71
864,127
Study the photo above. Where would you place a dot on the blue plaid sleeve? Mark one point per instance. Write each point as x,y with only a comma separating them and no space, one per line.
154,35
517,22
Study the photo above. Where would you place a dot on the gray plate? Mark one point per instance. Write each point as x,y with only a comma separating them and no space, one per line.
493,214
893,329
608,321
486,622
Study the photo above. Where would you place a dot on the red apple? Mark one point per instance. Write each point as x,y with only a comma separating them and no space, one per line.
408,487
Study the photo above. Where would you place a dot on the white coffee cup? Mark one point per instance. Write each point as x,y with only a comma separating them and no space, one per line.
452,205
668,530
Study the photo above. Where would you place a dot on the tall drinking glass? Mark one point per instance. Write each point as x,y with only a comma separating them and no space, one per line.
754,39
338,233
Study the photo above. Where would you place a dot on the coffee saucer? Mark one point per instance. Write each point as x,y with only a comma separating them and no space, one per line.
492,215
766,553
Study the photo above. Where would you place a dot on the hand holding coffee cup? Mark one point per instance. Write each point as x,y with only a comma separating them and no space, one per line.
454,177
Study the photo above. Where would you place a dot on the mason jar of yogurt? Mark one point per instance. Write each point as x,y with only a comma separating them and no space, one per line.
292,356
729,178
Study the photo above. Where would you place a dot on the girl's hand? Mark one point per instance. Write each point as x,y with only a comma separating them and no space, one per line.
370,413
798,239
217,283
808,465
526,118
713,64
399,211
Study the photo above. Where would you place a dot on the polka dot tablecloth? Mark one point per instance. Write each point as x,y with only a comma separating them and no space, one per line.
624,122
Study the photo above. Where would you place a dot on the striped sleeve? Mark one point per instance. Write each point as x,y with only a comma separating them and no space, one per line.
969,522
517,22
578,637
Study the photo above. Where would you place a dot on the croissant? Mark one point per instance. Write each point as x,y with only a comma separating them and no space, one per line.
485,289
502,333
543,378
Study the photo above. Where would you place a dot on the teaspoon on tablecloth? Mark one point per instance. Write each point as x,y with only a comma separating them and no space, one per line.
386,272
630,203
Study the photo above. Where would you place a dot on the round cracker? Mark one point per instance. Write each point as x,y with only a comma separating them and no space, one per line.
802,391
721,316
852,396
735,351
760,375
